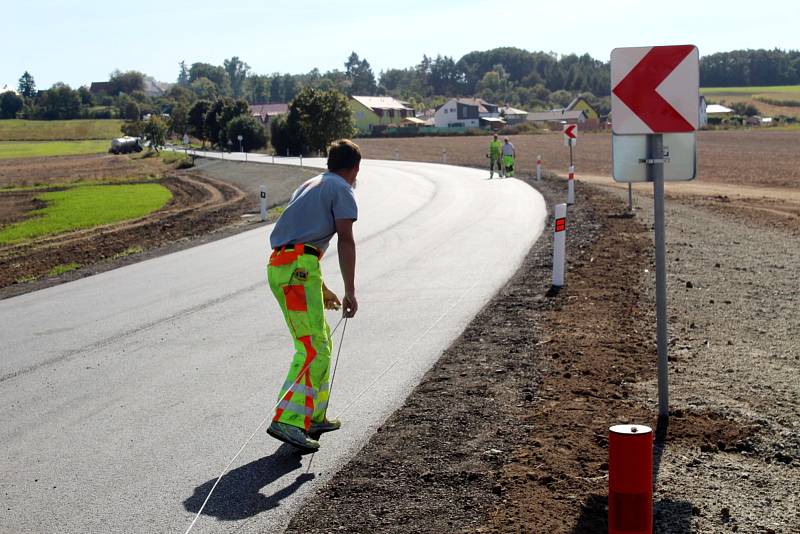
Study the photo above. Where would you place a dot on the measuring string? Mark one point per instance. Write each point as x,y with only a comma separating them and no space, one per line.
269,414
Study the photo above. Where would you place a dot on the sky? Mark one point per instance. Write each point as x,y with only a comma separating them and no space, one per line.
80,42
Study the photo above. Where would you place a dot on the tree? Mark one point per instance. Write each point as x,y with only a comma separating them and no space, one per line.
179,118
10,105
85,95
183,75
196,120
27,87
204,88
237,73
257,89
125,82
285,135
254,136
58,102
359,72
133,128
319,117
221,112
215,74
129,109
155,131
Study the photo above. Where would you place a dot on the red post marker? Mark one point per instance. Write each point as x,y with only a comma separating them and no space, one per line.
630,479
539,168
571,186
559,244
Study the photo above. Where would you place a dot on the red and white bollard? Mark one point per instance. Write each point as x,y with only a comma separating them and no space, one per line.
630,479
571,186
538,168
559,244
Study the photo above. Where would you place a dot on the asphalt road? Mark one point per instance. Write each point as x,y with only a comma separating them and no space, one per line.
125,394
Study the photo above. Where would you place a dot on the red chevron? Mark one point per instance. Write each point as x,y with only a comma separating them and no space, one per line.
638,89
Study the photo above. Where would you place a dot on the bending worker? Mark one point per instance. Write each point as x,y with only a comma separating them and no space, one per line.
322,206
509,155
495,147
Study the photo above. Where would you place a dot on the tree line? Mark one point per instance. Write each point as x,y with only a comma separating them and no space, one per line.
742,68
505,76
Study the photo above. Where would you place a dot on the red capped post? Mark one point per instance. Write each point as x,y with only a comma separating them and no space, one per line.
630,479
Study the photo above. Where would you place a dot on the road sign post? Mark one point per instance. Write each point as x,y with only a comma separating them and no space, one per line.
570,138
655,96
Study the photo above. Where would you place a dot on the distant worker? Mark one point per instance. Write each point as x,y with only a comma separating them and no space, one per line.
495,148
509,157
322,206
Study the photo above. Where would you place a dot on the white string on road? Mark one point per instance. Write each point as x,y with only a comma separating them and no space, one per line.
269,414
349,405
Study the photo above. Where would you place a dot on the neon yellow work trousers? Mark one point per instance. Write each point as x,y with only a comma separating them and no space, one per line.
508,165
296,281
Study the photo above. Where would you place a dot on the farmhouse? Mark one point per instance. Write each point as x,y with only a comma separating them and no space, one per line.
579,111
554,118
467,113
513,115
267,112
376,112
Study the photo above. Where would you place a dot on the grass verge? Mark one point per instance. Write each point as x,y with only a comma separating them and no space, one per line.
63,268
38,149
86,207
72,130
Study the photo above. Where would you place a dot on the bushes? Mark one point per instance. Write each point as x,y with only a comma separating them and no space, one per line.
254,136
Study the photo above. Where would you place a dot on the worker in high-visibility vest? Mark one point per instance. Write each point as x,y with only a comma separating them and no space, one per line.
509,156
495,148
321,207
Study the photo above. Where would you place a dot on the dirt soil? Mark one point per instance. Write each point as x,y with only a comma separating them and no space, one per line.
211,201
508,431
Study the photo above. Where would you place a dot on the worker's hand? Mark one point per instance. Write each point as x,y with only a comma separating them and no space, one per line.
349,305
330,300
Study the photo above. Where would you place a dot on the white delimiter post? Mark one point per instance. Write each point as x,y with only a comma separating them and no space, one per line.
538,168
263,203
444,155
559,244
571,186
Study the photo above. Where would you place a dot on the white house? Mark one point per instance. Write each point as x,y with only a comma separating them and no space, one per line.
464,113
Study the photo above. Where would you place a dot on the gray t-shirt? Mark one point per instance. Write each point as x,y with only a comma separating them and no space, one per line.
310,217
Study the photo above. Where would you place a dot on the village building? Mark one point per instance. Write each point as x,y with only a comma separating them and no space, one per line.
373,113
266,112
468,113
579,111
513,115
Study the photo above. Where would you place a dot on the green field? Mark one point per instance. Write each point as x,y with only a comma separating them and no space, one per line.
85,207
777,89
36,149
73,130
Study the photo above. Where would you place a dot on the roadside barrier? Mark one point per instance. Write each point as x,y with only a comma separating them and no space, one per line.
630,479
571,186
559,244
538,168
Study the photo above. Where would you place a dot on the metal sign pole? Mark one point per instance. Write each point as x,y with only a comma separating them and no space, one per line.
630,197
656,172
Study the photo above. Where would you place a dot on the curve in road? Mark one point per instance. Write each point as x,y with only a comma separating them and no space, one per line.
127,392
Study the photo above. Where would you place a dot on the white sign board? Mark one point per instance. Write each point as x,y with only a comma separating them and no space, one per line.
655,89
628,153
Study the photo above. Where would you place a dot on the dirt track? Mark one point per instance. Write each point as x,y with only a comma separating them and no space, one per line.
507,433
